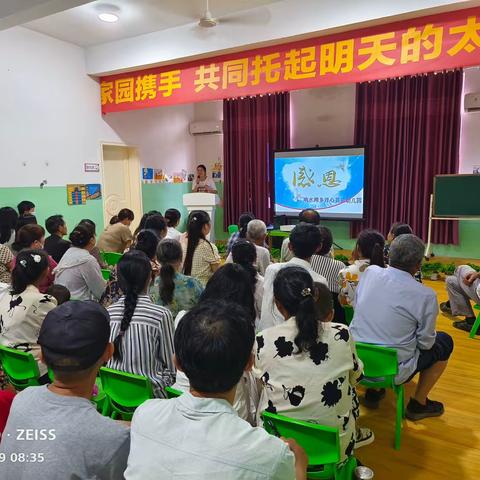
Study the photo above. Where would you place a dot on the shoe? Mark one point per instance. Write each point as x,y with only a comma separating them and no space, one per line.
372,397
466,325
417,411
364,437
445,308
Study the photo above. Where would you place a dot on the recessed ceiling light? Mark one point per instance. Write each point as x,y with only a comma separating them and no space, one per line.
108,17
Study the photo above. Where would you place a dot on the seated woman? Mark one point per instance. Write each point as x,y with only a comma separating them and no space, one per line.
8,222
147,242
78,270
172,216
201,258
32,236
141,331
368,251
141,225
24,308
232,284
307,365
172,289
158,225
244,254
6,264
243,221
95,252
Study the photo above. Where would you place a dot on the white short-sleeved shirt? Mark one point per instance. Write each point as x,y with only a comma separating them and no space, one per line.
270,314
208,182
174,234
202,438
263,259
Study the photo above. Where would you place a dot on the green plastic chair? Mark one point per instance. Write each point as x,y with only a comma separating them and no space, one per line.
380,368
172,392
20,367
348,314
232,229
321,443
476,325
106,274
111,258
124,392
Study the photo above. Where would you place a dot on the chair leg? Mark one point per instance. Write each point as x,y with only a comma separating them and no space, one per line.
400,396
475,327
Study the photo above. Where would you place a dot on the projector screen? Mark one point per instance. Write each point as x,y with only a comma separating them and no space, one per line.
329,180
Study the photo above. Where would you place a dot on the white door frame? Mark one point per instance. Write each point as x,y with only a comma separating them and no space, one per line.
131,148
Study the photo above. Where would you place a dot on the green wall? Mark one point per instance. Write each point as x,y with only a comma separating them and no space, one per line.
161,196
52,201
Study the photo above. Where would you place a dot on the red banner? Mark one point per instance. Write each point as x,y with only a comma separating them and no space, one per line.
444,41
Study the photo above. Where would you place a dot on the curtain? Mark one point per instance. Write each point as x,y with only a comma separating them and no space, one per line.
253,127
411,127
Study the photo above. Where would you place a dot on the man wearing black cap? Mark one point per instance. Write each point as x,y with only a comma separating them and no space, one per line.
55,431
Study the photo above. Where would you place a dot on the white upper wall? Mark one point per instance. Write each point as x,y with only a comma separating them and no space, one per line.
274,22
470,138
50,112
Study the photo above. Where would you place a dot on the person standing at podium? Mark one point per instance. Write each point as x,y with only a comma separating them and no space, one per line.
203,184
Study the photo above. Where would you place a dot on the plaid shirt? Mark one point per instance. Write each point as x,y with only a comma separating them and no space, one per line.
231,241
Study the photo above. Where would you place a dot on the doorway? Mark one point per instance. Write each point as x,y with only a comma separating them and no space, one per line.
121,181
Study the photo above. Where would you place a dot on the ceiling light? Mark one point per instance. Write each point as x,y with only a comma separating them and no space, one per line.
108,17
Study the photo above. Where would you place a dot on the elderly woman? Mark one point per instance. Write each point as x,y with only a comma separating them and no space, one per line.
394,310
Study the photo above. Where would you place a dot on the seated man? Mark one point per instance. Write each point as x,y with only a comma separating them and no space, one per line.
305,240
199,435
305,216
55,245
462,288
394,310
56,428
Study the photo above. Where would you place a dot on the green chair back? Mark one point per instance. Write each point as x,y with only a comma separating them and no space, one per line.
124,392
348,314
172,392
321,443
380,365
232,229
20,367
106,274
111,258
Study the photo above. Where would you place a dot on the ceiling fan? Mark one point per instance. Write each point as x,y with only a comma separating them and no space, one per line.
261,15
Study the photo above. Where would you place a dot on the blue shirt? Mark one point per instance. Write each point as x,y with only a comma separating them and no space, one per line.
394,310
202,438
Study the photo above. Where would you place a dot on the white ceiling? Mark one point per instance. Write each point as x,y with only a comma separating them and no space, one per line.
81,25
16,12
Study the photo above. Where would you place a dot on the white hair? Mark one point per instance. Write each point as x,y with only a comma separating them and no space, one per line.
406,252
256,230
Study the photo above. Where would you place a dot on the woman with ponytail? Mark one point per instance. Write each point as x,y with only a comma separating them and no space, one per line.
308,366
141,331
244,253
368,251
201,257
78,270
32,236
24,308
172,289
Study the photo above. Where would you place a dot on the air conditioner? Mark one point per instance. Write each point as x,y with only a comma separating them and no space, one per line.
472,102
206,128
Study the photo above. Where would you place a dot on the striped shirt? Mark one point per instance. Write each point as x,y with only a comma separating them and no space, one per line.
329,268
147,343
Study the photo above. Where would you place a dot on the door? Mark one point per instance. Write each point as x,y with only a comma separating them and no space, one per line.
121,181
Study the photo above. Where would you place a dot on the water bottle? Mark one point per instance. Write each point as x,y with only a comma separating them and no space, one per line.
363,473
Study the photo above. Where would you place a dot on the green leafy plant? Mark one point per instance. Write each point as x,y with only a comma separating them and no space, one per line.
448,268
475,267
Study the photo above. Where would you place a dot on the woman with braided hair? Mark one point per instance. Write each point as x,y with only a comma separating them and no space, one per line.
141,331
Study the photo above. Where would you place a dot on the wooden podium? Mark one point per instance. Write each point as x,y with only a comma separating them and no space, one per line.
206,202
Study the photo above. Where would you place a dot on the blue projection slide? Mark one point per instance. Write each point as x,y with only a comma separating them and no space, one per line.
331,184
